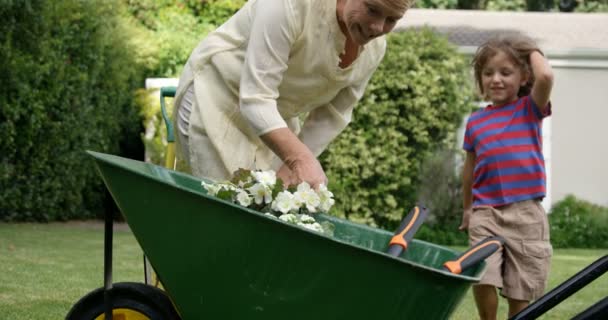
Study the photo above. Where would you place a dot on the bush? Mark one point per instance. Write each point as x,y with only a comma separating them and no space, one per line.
165,32
578,224
440,189
413,105
592,6
164,36
67,78
214,12
436,4
506,5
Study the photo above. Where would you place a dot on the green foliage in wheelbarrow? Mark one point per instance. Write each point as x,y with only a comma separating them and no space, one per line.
413,106
66,86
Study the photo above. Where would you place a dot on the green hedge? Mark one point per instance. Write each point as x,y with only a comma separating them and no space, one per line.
412,107
577,223
67,77
166,31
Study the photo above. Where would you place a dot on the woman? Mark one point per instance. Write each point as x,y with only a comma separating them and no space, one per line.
246,83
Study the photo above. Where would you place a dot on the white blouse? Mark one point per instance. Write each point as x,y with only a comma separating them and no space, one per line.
279,59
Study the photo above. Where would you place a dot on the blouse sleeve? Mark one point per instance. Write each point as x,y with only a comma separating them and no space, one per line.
274,29
323,124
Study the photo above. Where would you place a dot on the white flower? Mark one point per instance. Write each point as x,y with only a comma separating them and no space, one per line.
243,198
270,215
326,198
212,189
289,217
306,196
267,178
312,226
284,202
307,219
261,193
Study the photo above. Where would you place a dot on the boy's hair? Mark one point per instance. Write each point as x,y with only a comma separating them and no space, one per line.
517,47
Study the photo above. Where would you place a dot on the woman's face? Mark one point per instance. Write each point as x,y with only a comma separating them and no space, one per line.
368,19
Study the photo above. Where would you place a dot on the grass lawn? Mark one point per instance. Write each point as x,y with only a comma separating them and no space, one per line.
45,268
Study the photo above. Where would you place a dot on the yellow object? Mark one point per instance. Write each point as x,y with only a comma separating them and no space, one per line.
124,314
170,156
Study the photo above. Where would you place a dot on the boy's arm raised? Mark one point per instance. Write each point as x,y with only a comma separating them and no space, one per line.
543,80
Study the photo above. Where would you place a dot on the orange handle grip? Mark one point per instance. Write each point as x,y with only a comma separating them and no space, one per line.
408,227
474,255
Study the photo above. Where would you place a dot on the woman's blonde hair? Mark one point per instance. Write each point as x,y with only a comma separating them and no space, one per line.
517,47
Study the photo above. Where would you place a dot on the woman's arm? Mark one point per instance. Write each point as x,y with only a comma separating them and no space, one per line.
325,123
467,189
300,164
543,80
274,28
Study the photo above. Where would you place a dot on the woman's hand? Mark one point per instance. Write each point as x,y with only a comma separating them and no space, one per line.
299,163
295,171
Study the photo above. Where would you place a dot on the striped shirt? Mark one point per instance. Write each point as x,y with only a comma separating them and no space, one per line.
507,142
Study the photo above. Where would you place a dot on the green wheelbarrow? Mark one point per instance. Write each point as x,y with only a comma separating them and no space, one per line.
218,260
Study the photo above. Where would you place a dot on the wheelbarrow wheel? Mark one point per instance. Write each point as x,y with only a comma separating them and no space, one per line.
130,301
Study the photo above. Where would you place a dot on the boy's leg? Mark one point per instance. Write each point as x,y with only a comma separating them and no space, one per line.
515,306
483,224
486,300
527,252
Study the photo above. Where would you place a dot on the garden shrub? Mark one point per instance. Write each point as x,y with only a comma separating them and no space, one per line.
413,105
66,86
214,12
577,223
165,32
436,4
440,189
592,6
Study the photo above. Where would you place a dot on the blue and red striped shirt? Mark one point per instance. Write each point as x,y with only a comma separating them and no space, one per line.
509,163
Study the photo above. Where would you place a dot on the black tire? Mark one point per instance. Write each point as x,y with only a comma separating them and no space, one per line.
132,300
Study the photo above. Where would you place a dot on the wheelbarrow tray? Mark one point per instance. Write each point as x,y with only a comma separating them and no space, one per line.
218,260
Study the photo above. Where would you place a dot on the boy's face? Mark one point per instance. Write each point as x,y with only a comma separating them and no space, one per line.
501,79
368,19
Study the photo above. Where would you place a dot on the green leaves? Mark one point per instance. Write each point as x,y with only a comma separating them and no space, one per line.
577,223
67,88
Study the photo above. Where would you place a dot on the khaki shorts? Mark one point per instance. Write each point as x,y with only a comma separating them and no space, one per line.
521,268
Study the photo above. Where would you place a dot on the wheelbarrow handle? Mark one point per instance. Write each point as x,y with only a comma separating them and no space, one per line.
474,255
408,227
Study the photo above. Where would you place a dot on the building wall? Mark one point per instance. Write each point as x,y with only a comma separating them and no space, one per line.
579,135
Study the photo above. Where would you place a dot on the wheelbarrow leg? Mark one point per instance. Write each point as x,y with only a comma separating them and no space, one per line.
564,290
107,265
596,311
